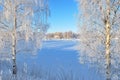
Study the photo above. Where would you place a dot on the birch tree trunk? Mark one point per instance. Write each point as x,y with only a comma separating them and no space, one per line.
14,54
14,42
108,40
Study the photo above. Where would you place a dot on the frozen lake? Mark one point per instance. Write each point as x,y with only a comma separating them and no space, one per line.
62,56
58,58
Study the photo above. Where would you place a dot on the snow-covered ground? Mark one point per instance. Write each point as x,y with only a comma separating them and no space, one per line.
57,60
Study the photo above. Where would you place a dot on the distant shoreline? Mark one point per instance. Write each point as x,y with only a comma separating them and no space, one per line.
62,35
60,39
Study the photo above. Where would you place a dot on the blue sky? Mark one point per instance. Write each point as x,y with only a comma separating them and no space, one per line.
63,15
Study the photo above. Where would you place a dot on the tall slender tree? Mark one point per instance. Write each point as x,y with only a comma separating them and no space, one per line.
99,25
23,24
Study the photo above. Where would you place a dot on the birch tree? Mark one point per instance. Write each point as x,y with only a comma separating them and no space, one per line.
23,24
99,26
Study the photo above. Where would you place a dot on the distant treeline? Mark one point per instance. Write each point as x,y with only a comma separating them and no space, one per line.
62,35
